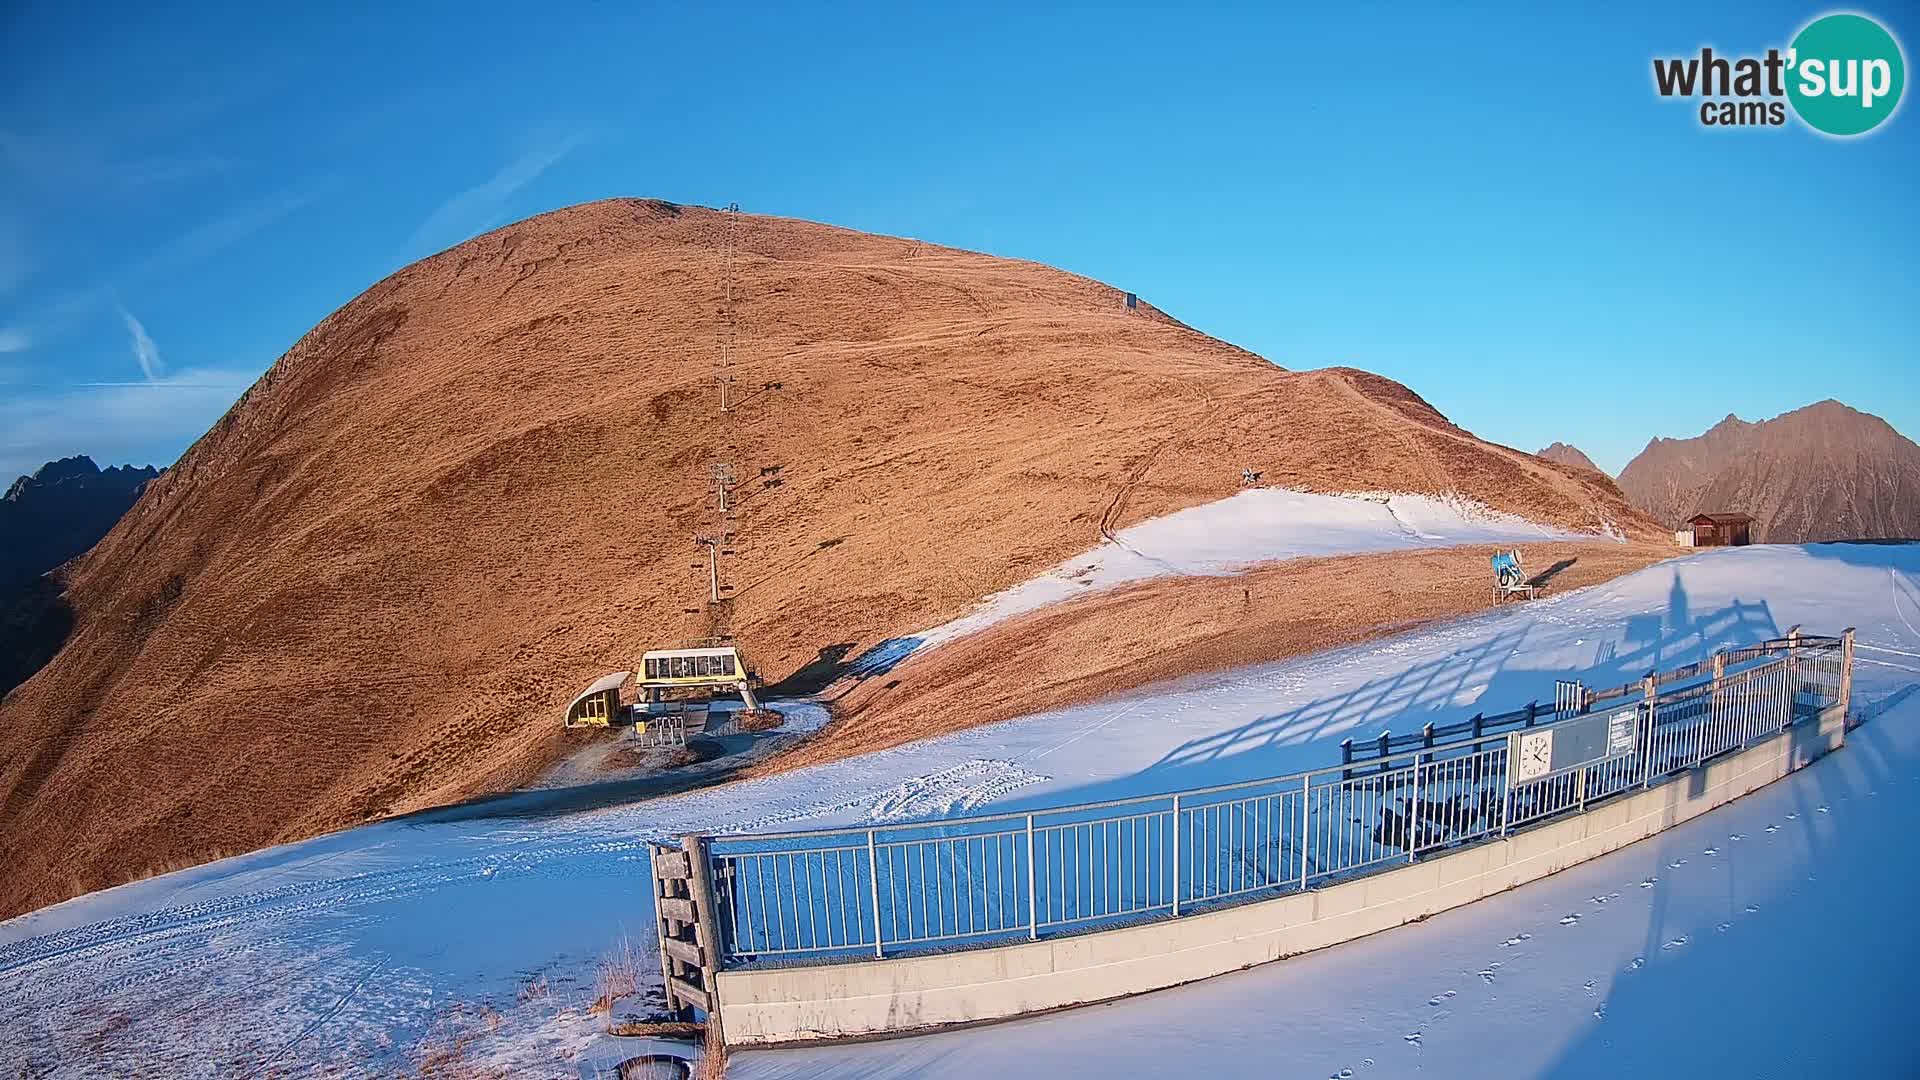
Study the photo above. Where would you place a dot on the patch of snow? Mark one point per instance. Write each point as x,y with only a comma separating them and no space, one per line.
1611,531
798,716
1254,526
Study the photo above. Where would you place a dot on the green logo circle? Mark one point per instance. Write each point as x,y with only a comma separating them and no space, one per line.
1845,75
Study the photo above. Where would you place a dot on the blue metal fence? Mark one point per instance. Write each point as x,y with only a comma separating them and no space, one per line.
851,893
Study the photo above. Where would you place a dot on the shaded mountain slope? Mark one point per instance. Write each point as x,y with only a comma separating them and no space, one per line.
1823,472
46,519
373,584
61,511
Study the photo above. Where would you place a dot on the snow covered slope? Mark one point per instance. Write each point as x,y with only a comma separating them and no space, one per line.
480,927
1254,526
1765,939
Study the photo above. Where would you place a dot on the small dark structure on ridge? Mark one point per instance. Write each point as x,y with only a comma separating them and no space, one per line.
1721,530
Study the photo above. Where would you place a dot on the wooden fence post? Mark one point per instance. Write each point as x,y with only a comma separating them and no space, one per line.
700,887
669,879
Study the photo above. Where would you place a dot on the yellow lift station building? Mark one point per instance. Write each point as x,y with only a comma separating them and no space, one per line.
719,668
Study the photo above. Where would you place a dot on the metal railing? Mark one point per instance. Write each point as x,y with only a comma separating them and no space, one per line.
828,894
1571,698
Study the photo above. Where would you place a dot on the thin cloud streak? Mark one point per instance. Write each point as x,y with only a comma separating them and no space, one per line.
213,237
143,422
145,352
479,206
66,163
196,245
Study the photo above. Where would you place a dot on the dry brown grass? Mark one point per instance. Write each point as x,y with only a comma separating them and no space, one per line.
760,719
373,585
446,1059
618,976
533,988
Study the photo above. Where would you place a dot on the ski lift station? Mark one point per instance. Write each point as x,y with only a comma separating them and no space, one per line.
719,668
664,674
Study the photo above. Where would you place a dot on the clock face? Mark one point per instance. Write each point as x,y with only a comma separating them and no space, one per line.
1535,755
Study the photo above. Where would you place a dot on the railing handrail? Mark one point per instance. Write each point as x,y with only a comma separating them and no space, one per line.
1372,764
1740,654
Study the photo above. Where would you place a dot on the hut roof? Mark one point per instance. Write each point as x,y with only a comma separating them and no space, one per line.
600,686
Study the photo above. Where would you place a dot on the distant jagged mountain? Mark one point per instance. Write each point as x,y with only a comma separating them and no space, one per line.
1562,454
1825,472
59,512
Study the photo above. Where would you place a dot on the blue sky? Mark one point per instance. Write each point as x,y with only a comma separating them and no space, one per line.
1488,204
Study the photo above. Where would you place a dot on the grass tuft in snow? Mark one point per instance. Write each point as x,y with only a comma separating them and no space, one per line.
619,975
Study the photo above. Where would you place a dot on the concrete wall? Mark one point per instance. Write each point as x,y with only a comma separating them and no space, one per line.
896,996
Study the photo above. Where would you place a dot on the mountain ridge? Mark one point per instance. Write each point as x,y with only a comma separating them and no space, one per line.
1825,471
46,519
1567,454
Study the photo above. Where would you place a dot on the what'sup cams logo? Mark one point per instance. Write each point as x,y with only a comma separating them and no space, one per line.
1842,75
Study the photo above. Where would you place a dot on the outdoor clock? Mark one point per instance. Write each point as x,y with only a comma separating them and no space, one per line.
1535,755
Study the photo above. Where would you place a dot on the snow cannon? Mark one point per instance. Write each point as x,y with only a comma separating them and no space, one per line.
1506,568
1510,578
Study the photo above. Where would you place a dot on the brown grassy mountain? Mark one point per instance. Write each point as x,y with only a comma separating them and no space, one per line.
1562,454
1825,472
372,585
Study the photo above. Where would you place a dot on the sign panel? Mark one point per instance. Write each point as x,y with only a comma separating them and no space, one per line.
1542,752
1623,729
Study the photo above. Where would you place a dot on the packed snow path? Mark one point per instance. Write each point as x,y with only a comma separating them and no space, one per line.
477,930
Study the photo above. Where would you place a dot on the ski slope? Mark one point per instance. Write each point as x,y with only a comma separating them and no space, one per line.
1254,526
476,931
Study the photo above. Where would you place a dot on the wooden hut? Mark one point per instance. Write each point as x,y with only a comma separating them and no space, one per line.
1721,530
